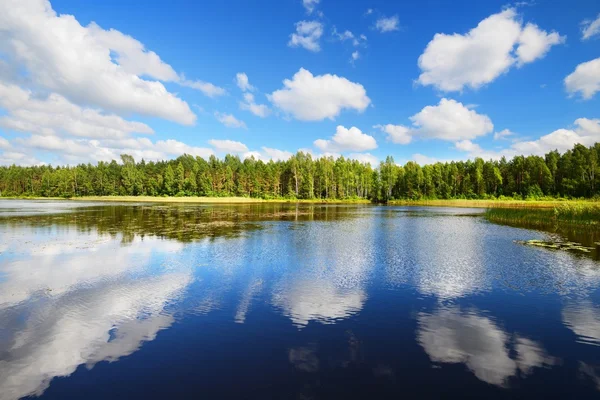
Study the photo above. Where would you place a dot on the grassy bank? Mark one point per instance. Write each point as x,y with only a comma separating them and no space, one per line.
575,214
222,200
512,204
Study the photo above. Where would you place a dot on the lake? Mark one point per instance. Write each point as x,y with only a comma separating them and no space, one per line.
285,301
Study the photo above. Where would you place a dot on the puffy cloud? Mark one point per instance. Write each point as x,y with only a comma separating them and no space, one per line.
229,120
451,336
267,154
73,151
4,144
451,62
310,5
503,134
314,98
396,133
585,132
590,28
76,62
18,158
56,115
249,104
365,158
347,140
228,146
207,88
307,35
387,24
243,83
585,80
535,43
449,120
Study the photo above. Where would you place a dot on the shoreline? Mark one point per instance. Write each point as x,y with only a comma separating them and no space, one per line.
458,203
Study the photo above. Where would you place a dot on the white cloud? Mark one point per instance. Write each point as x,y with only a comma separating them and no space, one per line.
449,120
314,98
207,88
396,133
243,83
355,56
18,158
228,146
535,43
451,336
75,61
387,24
590,28
343,36
4,144
55,115
451,62
249,104
229,120
347,140
307,35
365,158
369,11
266,154
503,134
585,132
422,159
310,5
585,80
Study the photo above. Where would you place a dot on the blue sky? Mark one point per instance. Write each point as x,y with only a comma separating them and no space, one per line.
432,80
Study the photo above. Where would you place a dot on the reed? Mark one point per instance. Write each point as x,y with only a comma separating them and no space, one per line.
570,214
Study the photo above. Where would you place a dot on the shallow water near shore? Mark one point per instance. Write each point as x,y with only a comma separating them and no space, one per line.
300,301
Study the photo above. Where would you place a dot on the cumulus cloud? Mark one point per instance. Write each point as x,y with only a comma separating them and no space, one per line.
229,120
451,336
314,98
207,88
308,34
396,133
503,134
267,153
355,56
228,146
586,132
90,65
449,120
249,104
56,115
590,28
499,42
310,5
365,158
387,24
347,140
585,80
243,83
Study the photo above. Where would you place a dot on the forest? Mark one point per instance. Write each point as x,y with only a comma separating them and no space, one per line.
568,175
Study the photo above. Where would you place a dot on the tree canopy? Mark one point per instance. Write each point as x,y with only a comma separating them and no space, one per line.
571,174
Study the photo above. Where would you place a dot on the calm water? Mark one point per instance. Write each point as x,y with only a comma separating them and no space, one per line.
288,302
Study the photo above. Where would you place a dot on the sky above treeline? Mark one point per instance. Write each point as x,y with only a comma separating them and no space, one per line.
423,80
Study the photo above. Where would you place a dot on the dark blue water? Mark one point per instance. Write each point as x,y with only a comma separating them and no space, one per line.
289,302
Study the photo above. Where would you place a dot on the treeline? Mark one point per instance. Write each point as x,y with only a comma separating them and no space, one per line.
572,174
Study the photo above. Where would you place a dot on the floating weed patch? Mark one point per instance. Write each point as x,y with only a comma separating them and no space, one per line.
557,245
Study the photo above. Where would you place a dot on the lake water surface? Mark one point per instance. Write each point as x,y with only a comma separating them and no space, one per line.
276,301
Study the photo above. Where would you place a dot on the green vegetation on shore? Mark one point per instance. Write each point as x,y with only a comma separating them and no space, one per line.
570,214
302,177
